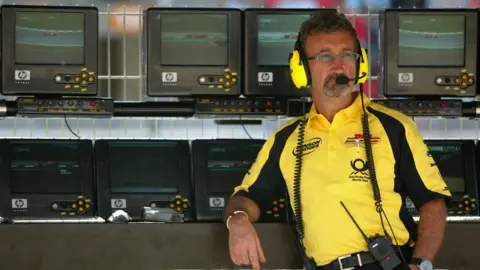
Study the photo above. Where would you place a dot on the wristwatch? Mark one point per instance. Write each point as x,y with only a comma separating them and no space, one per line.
423,264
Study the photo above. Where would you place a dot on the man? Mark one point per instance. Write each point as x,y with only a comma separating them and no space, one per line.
334,168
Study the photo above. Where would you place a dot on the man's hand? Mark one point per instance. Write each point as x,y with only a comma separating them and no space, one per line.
413,267
245,248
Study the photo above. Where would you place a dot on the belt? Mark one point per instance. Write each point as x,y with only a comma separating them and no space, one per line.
349,262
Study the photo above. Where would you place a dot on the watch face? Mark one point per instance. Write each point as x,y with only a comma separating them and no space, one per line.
426,265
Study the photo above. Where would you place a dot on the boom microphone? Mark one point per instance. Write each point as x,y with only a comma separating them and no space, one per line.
342,79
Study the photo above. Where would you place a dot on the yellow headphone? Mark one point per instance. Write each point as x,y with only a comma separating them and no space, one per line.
300,70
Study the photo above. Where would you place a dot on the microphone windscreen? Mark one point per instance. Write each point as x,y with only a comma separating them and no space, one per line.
342,79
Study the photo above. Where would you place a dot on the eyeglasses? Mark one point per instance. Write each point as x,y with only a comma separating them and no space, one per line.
328,57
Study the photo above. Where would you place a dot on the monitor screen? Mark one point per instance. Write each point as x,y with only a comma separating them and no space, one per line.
228,163
49,38
450,162
46,167
277,34
144,167
431,40
194,39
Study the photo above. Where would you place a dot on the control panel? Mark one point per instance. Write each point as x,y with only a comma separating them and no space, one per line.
223,81
34,106
179,204
76,81
446,108
72,208
456,83
238,106
457,206
276,211
425,107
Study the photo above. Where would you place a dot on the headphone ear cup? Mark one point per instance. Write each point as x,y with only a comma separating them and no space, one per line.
362,67
298,71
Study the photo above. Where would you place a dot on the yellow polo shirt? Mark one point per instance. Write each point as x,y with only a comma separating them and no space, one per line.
334,170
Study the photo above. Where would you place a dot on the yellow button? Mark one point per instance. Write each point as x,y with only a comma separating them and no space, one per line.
464,84
87,206
275,209
80,202
227,83
84,75
185,205
80,209
179,209
473,205
227,76
178,202
234,80
464,76
466,202
77,79
457,80
90,79
74,206
470,80
460,205
282,205
220,80
172,205
275,202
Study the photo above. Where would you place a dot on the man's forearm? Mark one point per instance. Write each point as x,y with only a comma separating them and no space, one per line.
241,203
431,228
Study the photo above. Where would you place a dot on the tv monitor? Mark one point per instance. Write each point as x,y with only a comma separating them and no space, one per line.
457,164
193,52
270,36
47,179
219,166
429,52
48,50
133,174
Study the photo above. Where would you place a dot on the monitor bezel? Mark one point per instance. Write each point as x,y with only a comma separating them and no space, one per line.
40,208
187,84
423,77
469,149
282,84
202,195
42,77
135,201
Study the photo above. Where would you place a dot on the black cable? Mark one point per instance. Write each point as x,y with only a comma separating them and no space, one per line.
245,129
69,128
373,176
297,176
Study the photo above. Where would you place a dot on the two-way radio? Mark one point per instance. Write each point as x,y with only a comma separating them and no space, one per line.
300,73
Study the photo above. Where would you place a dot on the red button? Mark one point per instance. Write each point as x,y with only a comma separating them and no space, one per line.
269,103
93,103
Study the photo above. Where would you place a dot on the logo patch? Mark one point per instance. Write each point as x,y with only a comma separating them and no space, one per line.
309,146
358,138
360,171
